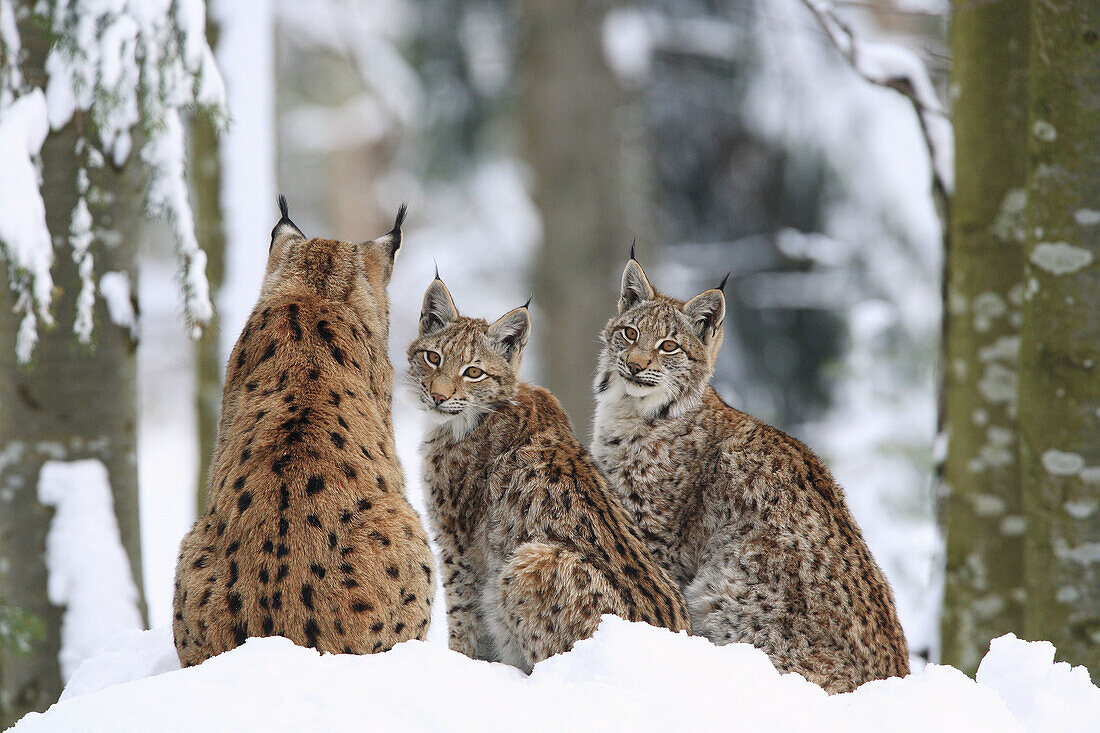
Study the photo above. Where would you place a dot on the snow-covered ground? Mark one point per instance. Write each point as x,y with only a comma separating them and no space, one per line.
629,676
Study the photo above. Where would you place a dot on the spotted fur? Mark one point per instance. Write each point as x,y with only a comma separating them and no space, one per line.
535,545
745,518
308,534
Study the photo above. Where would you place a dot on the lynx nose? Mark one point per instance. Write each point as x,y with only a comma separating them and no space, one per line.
634,367
438,398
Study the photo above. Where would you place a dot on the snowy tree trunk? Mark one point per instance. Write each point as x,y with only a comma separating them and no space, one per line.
206,191
571,109
73,401
982,513
1059,383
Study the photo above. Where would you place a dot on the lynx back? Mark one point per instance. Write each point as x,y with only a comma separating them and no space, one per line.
308,533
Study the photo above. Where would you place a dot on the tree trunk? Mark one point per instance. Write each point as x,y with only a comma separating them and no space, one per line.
571,108
205,190
72,402
982,513
1059,384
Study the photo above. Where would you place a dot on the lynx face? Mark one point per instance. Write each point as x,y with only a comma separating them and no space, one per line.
659,352
459,367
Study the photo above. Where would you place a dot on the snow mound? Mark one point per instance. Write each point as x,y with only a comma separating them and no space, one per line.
629,676
89,573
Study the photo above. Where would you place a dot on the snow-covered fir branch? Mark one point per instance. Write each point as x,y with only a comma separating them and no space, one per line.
897,68
131,70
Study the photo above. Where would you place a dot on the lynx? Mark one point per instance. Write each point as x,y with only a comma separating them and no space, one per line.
745,518
534,544
308,534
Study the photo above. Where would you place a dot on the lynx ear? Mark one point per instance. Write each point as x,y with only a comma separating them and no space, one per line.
636,287
285,230
509,334
392,238
706,312
438,309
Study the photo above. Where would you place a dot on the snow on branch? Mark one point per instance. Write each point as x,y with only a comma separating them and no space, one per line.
129,69
897,68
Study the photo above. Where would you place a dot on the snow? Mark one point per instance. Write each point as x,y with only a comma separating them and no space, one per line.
629,677
168,452
24,237
89,574
1035,688
246,53
115,289
1060,258
1087,217
122,62
11,78
166,155
80,239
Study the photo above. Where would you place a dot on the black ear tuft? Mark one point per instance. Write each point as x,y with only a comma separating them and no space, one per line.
397,222
285,227
529,299
632,241
393,236
722,285
436,269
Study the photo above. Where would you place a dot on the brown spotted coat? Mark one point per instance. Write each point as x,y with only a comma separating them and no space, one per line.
308,534
535,545
745,518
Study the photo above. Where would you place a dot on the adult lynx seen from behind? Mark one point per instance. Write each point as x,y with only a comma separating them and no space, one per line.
307,533
745,518
535,545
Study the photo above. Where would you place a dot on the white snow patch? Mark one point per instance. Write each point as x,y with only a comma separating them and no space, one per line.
167,196
1087,217
628,42
628,677
1085,553
1060,463
246,52
89,573
11,79
1013,526
115,289
1044,695
987,306
24,237
1081,508
988,505
80,239
998,384
1060,258
1005,348
1044,131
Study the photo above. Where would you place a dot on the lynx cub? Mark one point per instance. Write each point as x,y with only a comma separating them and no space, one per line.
745,518
308,534
535,545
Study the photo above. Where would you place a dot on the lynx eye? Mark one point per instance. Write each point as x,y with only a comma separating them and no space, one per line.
630,334
432,357
474,374
668,346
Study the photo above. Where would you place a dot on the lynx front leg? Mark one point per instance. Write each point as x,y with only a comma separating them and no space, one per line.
550,598
466,632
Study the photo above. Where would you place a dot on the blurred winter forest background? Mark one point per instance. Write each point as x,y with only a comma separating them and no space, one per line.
798,145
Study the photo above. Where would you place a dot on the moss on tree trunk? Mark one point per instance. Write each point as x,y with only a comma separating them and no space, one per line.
982,512
1059,376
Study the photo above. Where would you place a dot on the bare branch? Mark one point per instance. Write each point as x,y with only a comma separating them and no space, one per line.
899,69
